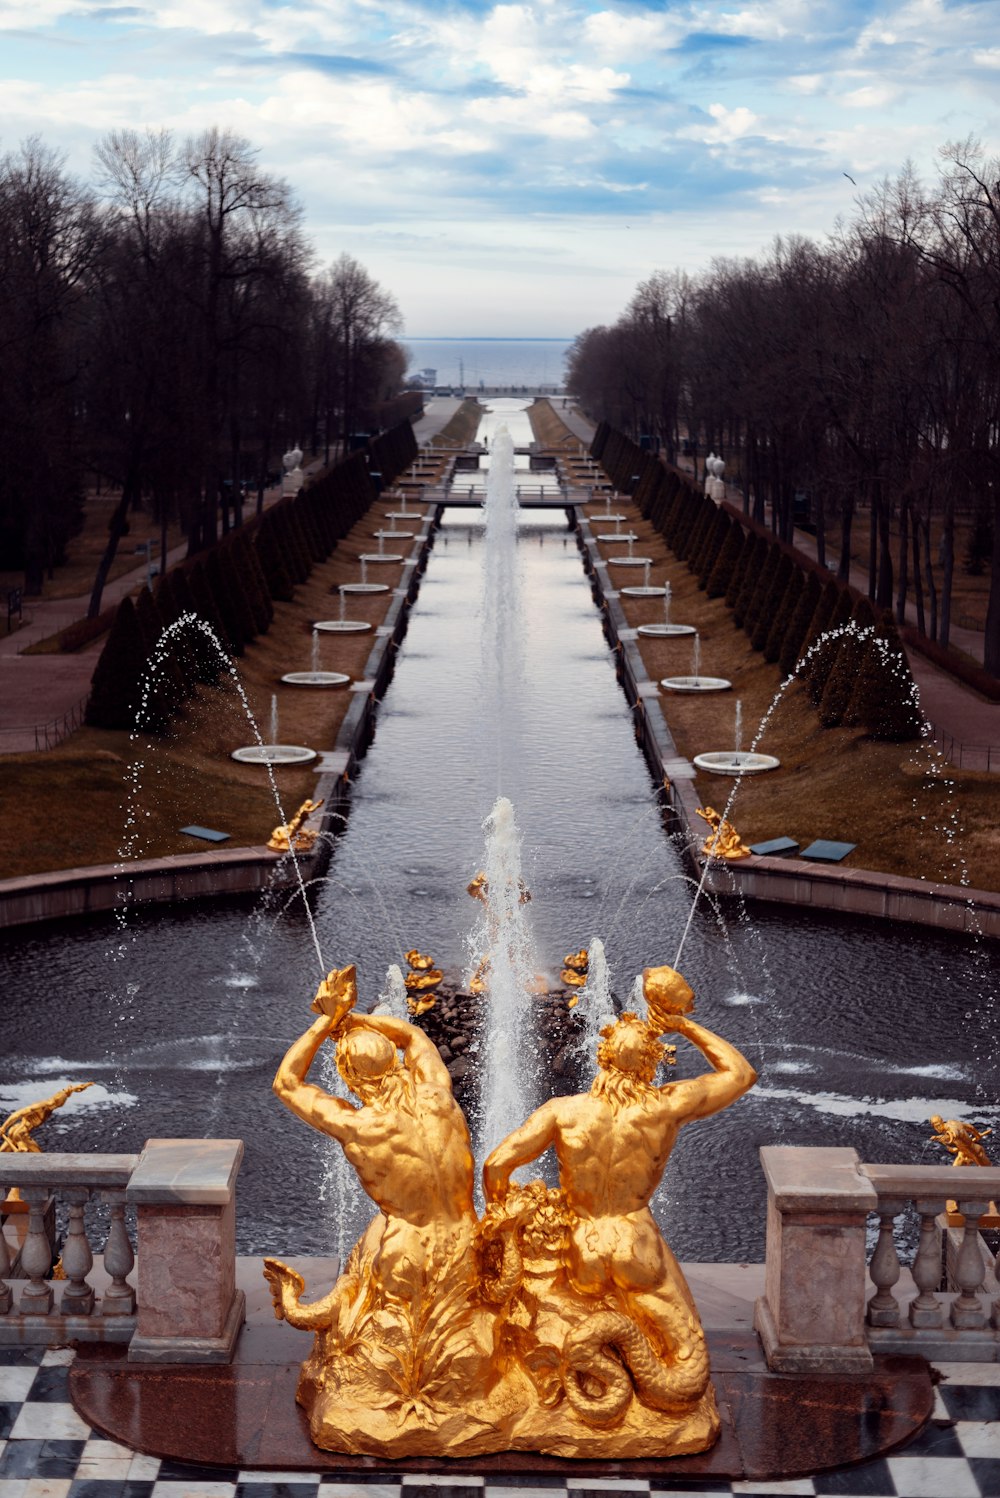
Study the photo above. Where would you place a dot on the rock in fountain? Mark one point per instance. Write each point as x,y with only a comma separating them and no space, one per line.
559,1322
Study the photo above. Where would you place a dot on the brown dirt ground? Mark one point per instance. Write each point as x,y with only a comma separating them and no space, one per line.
188,775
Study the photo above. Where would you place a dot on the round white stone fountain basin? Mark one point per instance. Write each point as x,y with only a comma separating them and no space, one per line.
380,556
637,590
274,754
665,631
393,535
695,683
736,762
401,515
316,678
342,626
630,561
364,587
603,519
618,536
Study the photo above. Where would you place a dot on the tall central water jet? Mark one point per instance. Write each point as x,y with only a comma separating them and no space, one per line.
503,944
501,633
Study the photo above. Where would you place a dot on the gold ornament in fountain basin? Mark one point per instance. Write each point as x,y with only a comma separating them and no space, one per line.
560,1322
421,982
17,1134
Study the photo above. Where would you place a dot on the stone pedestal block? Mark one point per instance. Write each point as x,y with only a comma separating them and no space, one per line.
189,1308
811,1317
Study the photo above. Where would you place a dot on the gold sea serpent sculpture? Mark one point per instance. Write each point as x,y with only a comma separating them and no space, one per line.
17,1133
560,1322
723,841
293,836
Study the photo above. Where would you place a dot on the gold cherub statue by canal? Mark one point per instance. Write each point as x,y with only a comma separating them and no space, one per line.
293,835
723,841
17,1131
561,1322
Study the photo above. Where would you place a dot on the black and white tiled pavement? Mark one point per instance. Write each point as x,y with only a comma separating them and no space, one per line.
46,1451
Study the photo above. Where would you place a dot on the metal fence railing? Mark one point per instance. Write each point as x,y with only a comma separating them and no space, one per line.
42,735
967,756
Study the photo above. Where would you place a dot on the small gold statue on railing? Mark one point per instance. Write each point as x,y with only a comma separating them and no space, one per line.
420,982
293,835
18,1130
723,840
559,1323
964,1142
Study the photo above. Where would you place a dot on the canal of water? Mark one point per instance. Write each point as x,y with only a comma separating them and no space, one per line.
859,1031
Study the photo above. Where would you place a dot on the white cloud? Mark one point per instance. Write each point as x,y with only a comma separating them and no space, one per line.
526,115
988,57
730,125
805,83
870,96
619,36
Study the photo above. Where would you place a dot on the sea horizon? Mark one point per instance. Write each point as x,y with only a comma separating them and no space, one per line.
490,362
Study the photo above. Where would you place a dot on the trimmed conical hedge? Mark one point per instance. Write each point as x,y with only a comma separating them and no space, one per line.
781,622
793,644
843,675
884,699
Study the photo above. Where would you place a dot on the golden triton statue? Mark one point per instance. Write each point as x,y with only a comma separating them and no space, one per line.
562,1322
723,840
292,834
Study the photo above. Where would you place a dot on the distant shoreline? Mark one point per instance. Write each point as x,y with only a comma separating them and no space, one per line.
468,338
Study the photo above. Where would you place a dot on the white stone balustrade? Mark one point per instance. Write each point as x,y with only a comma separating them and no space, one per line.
182,1193
824,1310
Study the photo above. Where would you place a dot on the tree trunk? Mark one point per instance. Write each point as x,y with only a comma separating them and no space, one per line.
116,529
931,584
991,638
948,569
918,585
904,544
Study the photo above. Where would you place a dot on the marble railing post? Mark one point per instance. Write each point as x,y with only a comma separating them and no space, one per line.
811,1317
184,1192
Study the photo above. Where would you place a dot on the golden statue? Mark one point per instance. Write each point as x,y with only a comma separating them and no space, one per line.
420,982
562,1322
17,1131
575,969
723,840
17,1134
292,834
965,1142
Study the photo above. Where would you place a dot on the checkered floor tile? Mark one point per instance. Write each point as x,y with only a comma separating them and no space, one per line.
46,1451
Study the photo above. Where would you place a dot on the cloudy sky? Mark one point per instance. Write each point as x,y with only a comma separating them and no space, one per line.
515,169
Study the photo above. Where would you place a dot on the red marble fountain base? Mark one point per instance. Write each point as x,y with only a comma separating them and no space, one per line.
244,1415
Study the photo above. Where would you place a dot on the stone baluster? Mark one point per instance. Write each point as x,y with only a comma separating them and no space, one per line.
883,1308
995,1308
927,1310
77,1255
967,1312
5,1295
119,1298
36,1255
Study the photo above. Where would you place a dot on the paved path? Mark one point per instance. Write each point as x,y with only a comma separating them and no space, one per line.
37,692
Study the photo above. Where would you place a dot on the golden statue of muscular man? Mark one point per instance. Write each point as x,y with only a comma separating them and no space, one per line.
559,1323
